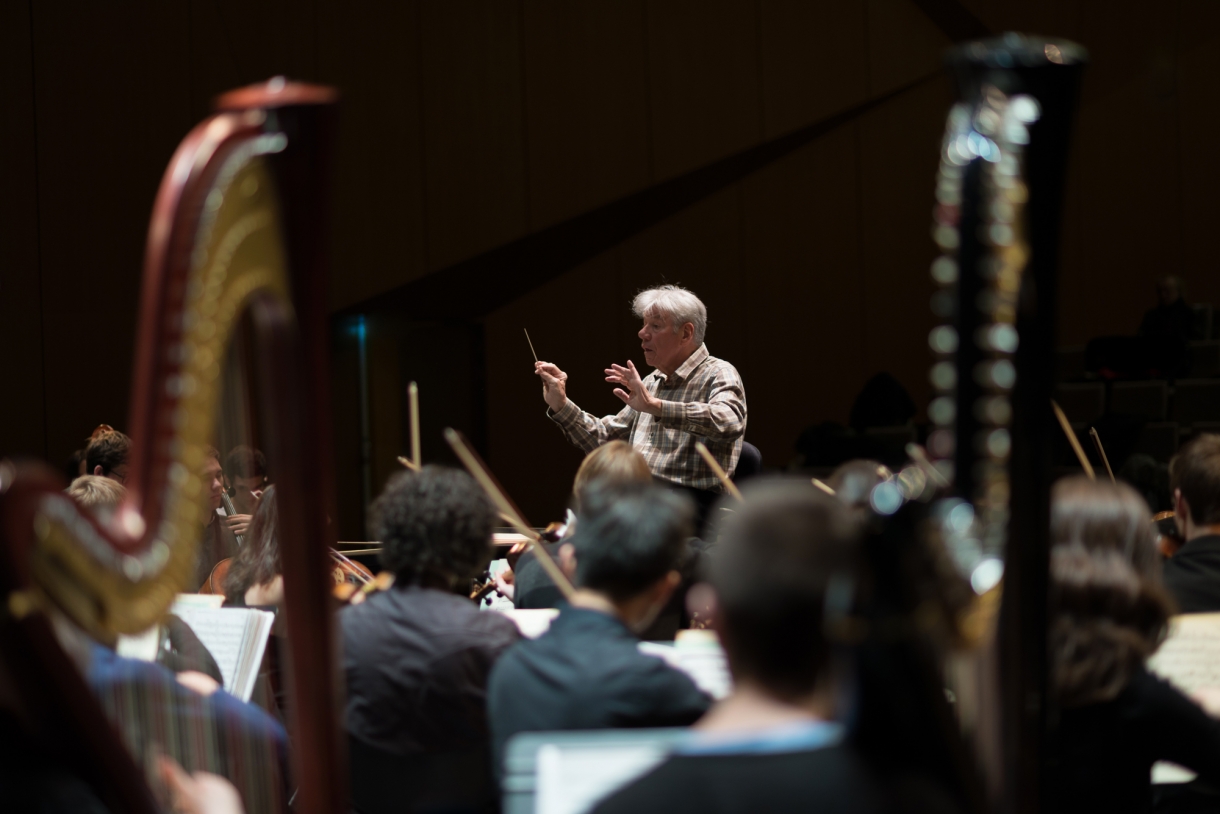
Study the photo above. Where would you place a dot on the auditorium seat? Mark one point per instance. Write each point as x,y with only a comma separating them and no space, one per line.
1069,364
1083,401
1204,359
1196,400
1157,438
1147,399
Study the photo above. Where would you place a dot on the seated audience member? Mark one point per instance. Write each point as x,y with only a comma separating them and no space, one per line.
106,454
255,575
417,656
182,651
216,538
1192,575
586,671
772,745
1109,613
615,462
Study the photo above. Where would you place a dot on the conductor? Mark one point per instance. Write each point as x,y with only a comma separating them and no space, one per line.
689,396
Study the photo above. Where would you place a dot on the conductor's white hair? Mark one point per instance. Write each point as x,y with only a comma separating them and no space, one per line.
676,303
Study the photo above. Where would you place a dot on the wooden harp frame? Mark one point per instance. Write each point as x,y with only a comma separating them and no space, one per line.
236,230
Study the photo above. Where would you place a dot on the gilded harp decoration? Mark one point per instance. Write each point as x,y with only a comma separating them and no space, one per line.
238,255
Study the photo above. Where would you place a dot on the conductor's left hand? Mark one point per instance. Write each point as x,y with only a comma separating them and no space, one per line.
632,391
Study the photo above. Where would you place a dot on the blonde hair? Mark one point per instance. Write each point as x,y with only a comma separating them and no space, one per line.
96,493
615,462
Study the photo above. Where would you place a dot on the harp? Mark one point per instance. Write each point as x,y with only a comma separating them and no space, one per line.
997,223
233,248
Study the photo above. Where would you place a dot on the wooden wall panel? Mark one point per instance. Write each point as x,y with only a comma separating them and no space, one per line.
473,129
899,147
803,294
903,44
703,81
23,429
586,105
111,109
371,52
812,62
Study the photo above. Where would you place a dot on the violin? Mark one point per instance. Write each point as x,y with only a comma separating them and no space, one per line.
344,571
1168,539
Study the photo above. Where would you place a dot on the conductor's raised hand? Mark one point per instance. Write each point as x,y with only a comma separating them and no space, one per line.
631,389
554,384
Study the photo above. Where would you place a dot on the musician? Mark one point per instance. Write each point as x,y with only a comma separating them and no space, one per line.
689,396
417,656
246,470
614,462
107,453
586,671
773,744
1192,575
255,575
1113,719
217,541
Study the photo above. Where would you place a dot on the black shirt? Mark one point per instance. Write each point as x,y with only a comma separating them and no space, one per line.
586,672
1193,575
533,587
417,661
1101,755
827,779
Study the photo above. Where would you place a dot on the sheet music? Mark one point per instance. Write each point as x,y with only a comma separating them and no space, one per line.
532,622
234,636
573,779
1190,660
701,658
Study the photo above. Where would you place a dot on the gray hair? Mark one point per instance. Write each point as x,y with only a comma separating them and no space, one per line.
675,302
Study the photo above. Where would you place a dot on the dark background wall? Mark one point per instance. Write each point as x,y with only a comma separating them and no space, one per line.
470,124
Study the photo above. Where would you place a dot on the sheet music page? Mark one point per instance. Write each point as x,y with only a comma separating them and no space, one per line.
142,646
258,630
571,780
1190,660
700,657
222,631
531,622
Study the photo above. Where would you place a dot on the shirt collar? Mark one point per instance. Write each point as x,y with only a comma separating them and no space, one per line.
693,361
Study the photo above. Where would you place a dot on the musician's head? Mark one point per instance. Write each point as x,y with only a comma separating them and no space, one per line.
1106,620
1194,477
246,470
106,455
630,542
96,494
786,556
615,462
212,476
675,321
1169,289
1102,516
435,527
257,562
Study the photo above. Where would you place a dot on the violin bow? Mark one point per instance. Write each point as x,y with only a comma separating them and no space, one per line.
1102,452
413,402
920,456
718,471
474,464
823,487
1073,440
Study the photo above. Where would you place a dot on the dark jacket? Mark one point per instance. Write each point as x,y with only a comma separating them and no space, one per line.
1192,575
1101,755
586,672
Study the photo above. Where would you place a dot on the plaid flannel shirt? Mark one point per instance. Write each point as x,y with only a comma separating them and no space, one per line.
704,400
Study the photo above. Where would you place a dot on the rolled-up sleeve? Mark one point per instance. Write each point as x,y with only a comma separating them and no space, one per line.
588,432
722,417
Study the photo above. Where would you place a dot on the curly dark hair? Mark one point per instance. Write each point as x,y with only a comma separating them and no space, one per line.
258,562
435,524
1106,621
